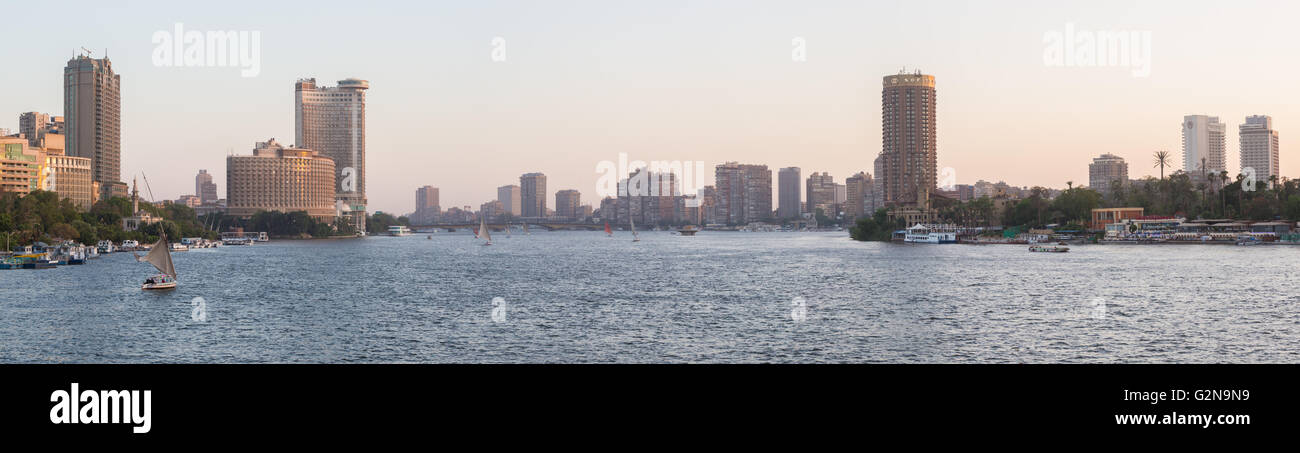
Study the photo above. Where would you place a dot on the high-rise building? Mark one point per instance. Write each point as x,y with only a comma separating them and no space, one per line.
204,188
532,194
567,203
92,109
820,193
278,178
788,181
426,199
859,196
1259,148
509,198
909,153
1204,145
332,122
1106,169
491,210
31,124
648,197
743,193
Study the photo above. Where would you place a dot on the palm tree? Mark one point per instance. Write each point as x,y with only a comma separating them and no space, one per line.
1162,159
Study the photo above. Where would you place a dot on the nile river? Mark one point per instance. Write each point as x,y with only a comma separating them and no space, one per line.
718,297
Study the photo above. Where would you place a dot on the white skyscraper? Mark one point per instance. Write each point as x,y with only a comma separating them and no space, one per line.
1259,148
1204,137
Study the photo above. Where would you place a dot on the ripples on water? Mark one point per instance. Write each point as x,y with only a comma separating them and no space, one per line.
717,297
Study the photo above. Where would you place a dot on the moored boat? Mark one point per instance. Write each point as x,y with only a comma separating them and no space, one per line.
931,234
1049,248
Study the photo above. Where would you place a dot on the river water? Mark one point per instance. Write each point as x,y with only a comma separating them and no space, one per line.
564,297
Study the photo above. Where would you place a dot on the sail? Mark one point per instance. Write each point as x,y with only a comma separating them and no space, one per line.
632,224
160,257
483,229
607,230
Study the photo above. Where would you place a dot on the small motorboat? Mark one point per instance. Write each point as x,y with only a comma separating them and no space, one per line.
1049,248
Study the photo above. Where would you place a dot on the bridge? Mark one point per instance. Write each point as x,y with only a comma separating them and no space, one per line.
549,226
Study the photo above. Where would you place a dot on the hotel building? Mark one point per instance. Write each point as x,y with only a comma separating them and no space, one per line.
909,153
1204,139
1259,148
332,122
276,178
1106,169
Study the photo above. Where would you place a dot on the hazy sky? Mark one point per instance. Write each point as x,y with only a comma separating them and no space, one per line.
700,80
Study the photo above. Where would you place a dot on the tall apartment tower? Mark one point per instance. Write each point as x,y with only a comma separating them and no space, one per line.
332,122
820,193
204,188
1204,138
510,201
1106,169
1259,148
567,203
426,199
909,152
859,196
743,193
532,194
788,193
92,110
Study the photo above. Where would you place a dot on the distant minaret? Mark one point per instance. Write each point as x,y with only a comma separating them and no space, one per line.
135,196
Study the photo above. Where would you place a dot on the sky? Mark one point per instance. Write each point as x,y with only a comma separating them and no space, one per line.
466,96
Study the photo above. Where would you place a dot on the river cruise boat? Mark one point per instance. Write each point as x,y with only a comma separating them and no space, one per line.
399,230
1049,248
931,234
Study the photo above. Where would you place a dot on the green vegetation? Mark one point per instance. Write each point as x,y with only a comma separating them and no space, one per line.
41,217
875,228
379,222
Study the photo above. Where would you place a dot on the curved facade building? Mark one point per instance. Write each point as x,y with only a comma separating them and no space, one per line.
276,178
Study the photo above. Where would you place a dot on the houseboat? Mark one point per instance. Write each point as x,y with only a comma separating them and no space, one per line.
931,234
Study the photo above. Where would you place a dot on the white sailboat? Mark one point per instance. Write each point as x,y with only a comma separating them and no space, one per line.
483,230
632,223
161,258
526,233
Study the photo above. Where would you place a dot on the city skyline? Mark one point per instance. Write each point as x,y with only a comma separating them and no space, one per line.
568,95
